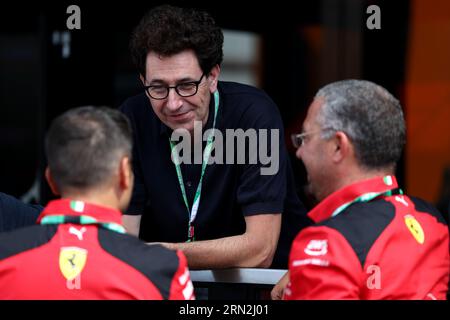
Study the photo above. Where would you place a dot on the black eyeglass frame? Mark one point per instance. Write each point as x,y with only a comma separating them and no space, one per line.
176,87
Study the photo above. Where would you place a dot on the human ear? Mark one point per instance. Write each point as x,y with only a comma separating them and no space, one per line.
213,77
341,145
125,174
51,182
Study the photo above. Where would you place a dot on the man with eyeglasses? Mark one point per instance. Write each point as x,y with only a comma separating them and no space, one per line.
370,240
219,215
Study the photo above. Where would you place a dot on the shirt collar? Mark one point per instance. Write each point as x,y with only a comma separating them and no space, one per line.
347,194
68,207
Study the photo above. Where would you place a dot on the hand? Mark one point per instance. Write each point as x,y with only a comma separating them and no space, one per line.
278,290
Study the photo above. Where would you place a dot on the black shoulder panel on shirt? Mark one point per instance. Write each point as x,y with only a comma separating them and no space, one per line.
139,100
157,263
362,223
20,240
425,207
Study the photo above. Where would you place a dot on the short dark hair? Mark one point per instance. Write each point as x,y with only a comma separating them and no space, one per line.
168,30
370,116
84,146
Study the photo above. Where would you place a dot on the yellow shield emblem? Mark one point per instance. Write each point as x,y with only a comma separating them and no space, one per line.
72,261
415,228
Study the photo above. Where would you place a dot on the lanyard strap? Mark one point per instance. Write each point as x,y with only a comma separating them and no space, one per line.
61,219
366,197
192,213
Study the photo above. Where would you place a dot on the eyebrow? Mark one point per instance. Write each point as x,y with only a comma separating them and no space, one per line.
182,80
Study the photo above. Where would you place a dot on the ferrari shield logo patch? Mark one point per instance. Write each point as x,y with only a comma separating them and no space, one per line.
72,261
415,228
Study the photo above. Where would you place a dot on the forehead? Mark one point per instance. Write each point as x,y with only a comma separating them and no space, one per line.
169,68
311,119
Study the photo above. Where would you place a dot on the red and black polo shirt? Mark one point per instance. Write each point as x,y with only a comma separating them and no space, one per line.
81,251
371,242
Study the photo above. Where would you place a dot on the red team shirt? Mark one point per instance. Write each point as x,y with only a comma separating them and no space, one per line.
80,251
391,247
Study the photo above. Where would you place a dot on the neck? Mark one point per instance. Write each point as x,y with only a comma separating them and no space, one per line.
356,175
364,174
205,119
200,130
101,197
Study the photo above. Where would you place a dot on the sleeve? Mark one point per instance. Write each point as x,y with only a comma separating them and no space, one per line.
139,196
15,214
262,185
323,266
181,287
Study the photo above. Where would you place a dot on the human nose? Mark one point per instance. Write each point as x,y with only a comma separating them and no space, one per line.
174,101
299,152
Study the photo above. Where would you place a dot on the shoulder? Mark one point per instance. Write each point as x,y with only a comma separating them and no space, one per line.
243,95
135,106
232,89
364,216
423,206
362,223
8,202
157,263
140,113
250,103
130,247
15,214
21,240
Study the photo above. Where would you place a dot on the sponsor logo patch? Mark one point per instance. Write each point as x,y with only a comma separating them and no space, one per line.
317,248
415,228
72,261
314,262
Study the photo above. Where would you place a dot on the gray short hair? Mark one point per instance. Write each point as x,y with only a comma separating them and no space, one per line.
370,116
84,146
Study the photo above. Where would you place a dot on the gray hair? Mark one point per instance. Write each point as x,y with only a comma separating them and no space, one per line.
84,146
370,116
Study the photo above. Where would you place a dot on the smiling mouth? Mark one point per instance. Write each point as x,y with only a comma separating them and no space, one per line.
179,116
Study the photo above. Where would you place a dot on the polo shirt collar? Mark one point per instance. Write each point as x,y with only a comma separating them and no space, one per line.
326,207
74,208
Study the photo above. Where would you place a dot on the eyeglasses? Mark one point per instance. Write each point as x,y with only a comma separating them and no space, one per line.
298,139
185,89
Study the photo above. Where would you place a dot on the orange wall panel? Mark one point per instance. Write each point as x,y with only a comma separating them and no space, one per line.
427,97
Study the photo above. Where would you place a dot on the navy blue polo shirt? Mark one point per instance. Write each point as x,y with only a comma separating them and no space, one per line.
230,191
15,214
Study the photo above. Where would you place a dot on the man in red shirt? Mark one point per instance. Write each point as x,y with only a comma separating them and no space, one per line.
370,241
80,250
